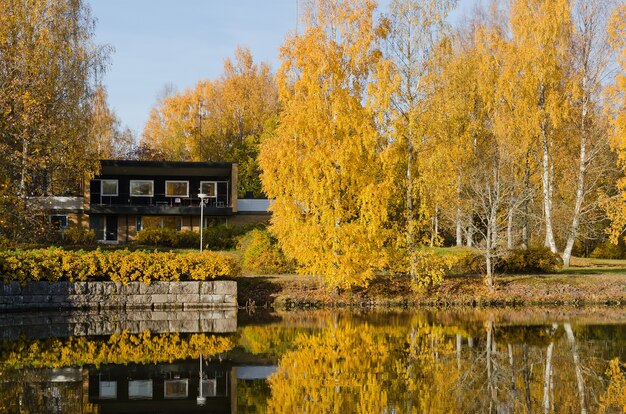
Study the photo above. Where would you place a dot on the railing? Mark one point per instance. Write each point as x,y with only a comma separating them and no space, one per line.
220,201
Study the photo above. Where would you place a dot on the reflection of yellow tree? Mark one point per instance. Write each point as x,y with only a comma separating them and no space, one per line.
343,369
615,395
367,369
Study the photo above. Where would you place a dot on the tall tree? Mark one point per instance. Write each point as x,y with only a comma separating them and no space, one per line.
541,35
108,140
416,27
47,67
325,165
219,120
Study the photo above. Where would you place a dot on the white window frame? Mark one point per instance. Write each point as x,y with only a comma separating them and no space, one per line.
184,381
117,188
130,188
178,195
209,182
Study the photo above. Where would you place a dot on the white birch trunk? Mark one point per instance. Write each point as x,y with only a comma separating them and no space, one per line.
580,182
579,375
547,379
546,180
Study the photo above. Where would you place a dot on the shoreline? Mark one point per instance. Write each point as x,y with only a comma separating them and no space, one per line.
293,291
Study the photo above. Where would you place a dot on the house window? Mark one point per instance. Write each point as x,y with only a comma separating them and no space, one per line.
177,188
162,222
141,188
176,388
138,223
109,188
59,221
209,188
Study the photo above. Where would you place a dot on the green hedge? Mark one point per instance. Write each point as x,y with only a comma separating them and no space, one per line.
124,266
218,237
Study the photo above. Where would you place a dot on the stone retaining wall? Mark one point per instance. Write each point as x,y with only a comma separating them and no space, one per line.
34,325
216,294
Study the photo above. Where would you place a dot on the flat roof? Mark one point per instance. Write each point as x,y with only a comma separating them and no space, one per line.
169,168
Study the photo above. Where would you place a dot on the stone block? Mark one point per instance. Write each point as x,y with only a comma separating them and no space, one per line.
183,325
230,300
133,288
156,288
225,287
179,288
80,288
59,288
36,288
206,325
10,289
110,288
139,300
161,298
206,288
185,298
36,299
154,326
224,325
211,299
57,299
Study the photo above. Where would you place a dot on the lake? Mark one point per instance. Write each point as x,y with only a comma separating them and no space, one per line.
532,360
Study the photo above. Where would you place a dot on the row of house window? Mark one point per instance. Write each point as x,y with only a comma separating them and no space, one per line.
145,188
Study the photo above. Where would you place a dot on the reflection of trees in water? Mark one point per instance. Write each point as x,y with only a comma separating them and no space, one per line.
425,367
31,391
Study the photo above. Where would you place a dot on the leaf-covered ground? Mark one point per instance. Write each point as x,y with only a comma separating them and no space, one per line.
589,281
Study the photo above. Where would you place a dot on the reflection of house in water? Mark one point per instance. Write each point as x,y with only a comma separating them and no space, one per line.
164,388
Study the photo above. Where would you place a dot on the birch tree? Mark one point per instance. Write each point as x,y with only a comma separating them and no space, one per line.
541,32
325,165
416,27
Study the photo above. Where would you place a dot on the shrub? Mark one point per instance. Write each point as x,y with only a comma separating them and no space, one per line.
608,250
79,236
118,266
157,237
534,259
430,269
216,237
261,253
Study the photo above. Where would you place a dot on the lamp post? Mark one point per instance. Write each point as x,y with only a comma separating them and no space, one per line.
201,400
202,198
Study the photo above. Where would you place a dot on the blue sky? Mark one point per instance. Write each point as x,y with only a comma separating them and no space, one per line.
159,42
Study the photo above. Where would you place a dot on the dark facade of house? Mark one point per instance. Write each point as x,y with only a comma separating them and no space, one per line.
128,196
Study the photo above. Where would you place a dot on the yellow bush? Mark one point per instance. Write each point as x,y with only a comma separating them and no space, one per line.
122,348
118,266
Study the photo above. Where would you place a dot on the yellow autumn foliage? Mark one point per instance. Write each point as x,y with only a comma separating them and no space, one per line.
120,348
615,395
122,266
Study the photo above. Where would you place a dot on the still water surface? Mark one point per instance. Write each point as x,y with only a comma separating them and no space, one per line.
422,361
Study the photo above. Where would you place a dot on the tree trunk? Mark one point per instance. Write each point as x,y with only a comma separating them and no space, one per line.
529,405
509,227
579,375
459,212
469,236
410,213
546,180
580,182
547,379
526,202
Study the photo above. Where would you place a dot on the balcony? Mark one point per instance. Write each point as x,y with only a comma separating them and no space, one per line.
159,204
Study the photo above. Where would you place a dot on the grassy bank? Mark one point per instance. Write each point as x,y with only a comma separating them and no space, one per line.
588,281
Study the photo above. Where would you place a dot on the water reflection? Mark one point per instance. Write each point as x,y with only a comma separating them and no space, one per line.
457,361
